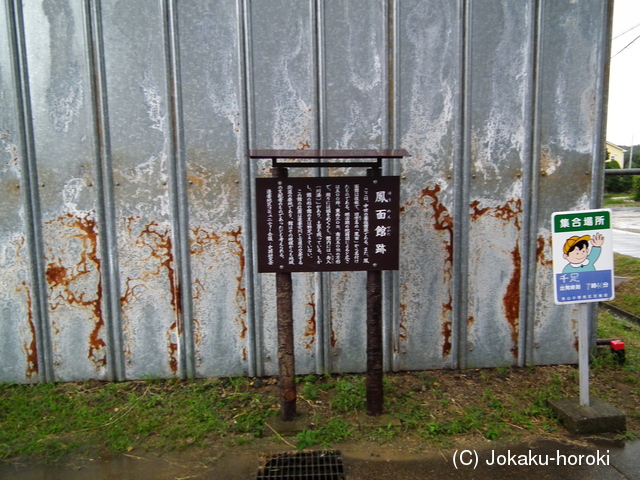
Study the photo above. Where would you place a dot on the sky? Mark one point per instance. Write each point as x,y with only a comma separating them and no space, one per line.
623,118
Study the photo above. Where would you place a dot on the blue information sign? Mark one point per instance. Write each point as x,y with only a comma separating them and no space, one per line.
582,256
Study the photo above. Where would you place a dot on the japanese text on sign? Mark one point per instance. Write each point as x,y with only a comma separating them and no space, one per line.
327,224
576,221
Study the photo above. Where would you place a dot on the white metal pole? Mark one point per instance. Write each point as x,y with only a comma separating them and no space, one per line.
630,155
583,354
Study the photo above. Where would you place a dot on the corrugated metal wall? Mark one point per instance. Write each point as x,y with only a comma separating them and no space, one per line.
126,215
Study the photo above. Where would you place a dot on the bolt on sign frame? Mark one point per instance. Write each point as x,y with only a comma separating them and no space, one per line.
318,224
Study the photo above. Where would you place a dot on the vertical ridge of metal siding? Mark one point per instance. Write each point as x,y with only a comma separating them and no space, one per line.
597,170
536,256
32,199
104,180
178,192
602,87
319,48
390,294
462,187
390,358
254,321
321,281
530,188
254,283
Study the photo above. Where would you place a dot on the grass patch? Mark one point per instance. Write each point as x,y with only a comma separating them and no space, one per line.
620,200
55,419
436,408
439,407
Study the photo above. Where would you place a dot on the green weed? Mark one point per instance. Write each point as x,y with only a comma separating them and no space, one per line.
349,395
627,297
329,432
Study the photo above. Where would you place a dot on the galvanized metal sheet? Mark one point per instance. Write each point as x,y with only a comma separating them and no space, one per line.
59,85
354,88
282,74
18,346
428,114
142,220
355,84
284,116
568,130
215,138
139,122
499,57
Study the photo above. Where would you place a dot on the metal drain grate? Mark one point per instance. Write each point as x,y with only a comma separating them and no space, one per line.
316,465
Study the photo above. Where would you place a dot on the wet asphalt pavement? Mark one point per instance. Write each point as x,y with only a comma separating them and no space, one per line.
542,459
626,231
538,460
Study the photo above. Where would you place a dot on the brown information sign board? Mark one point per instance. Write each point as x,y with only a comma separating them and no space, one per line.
328,224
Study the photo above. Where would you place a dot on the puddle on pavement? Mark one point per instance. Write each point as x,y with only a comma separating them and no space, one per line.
192,465
368,462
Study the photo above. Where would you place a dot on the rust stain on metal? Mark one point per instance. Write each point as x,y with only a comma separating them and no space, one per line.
540,255
510,211
198,288
173,352
477,212
241,291
154,241
56,274
31,349
160,247
547,164
471,320
131,291
64,280
402,329
442,222
310,329
334,338
446,327
201,238
446,334
507,212
402,332
511,300
198,176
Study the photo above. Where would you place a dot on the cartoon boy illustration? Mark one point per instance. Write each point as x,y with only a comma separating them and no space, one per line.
576,252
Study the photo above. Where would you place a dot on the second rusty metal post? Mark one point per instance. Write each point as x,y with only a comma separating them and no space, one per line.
286,357
375,392
374,386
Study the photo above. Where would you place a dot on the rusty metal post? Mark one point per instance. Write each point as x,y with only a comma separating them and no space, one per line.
375,392
374,387
286,358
